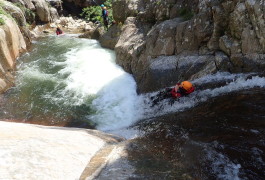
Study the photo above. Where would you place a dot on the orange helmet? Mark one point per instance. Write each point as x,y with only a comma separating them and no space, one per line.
186,85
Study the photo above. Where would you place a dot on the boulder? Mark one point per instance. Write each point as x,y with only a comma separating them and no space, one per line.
111,37
40,7
27,3
54,14
161,38
42,10
126,8
12,43
16,13
94,33
166,71
57,4
130,45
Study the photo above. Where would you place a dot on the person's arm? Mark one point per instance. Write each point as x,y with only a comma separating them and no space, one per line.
174,93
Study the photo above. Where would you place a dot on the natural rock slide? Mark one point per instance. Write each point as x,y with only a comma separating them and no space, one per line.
158,43
39,152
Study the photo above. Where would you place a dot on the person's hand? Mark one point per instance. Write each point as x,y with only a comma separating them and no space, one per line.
176,88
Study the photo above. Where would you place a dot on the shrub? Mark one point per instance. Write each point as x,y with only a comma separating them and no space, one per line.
2,21
186,14
2,11
93,13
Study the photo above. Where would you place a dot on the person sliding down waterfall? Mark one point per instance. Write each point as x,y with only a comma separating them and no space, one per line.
181,89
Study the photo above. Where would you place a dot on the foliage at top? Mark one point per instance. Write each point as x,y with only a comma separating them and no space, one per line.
94,13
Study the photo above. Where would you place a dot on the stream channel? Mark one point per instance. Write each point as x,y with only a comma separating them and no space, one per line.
218,132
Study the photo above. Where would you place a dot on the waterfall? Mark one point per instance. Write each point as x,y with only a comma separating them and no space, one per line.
67,78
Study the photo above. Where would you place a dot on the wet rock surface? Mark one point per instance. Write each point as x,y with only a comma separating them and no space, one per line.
220,139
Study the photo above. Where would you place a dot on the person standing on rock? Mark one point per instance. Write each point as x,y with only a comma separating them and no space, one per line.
105,15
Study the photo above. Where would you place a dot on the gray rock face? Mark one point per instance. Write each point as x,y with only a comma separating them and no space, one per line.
160,39
54,14
12,44
130,45
165,70
94,33
44,12
16,13
126,8
111,37
215,35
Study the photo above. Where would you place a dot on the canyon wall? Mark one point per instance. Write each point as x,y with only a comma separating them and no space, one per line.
15,36
163,42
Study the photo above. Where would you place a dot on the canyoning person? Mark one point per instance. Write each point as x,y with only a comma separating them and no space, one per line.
179,90
58,30
182,89
105,15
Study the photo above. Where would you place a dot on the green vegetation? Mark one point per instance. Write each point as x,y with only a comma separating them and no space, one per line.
2,21
158,2
2,11
93,13
29,14
186,14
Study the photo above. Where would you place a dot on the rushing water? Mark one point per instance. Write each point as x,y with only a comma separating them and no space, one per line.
74,82
217,132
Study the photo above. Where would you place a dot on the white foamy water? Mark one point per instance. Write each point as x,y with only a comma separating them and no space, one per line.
92,72
77,79
221,166
235,82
